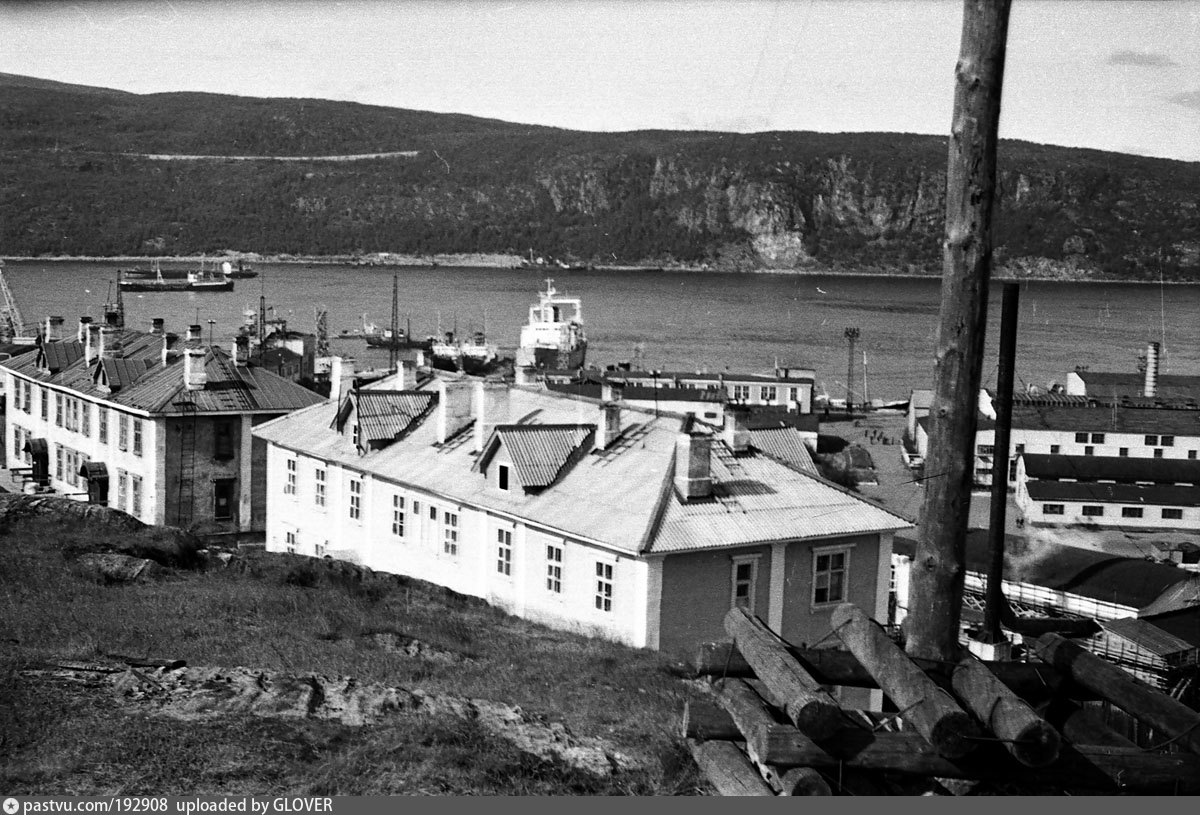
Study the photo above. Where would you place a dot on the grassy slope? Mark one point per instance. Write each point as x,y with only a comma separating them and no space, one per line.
280,613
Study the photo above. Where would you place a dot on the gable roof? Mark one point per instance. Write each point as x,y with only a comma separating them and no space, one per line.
539,452
59,354
384,416
785,445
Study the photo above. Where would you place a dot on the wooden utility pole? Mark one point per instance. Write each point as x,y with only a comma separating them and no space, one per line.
851,338
938,571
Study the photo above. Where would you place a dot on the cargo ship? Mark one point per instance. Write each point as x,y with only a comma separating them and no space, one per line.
553,337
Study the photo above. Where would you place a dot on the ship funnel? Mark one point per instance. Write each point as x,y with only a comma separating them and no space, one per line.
1150,387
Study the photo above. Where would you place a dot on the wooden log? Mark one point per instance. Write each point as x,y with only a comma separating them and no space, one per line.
806,703
831,666
1081,726
1025,735
938,569
727,768
800,781
932,712
764,736
1146,704
706,721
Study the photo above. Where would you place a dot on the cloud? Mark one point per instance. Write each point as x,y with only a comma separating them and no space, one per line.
1189,99
1144,59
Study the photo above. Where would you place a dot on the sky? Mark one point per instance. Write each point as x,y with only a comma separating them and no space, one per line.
1118,75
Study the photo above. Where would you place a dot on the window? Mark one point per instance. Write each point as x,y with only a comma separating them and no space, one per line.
289,486
767,393
1053,509
745,583
1020,448
793,394
1158,452
223,439
58,410
829,576
450,533
355,498
1131,512
1012,471
223,499
1089,451
432,513
1081,438
1192,455
122,490
417,510
1123,452
986,449
290,541
1166,441
85,416
356,435
1093,512
1054,448
398,516
1097,438
319,487
604,586
1172,514
102,424
137,437
58,462
502,476
741,392
504,552
135,495
1151,441
554,556
122,431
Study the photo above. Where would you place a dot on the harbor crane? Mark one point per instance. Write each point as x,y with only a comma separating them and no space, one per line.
12,325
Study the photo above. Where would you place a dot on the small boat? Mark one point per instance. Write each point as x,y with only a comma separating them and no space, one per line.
200,280
474,356
553,337
243,271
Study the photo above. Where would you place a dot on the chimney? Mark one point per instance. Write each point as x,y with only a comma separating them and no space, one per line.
54,328
112,319
91,343
194,375
735,433
490,409
1150,388
166,347
610,424
81,334
241,351
420,358
610,391
193,333
693,465
453,408
157,325
335,379
107,340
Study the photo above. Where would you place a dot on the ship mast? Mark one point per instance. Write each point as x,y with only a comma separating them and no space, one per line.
395,337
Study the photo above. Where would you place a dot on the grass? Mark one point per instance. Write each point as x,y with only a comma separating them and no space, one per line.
288,613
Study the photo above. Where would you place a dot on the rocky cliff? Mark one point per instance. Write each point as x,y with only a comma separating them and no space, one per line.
87,173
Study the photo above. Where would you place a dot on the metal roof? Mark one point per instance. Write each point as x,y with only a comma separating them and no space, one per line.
539,452
159,389
387,415
1134,420
1170,387
785,445
614,497
59,354
1133,494
1047,467
1147,636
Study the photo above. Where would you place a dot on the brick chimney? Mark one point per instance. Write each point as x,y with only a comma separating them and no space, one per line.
194,375
693,464
193,333
91,343
112,319
1150,386
54,327
453,408
335,379
735,432
241,351
81,333
490,405
110,346
157,325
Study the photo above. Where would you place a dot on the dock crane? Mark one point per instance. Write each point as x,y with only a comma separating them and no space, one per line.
12,325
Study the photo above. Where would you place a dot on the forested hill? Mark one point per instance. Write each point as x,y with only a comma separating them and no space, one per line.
82,173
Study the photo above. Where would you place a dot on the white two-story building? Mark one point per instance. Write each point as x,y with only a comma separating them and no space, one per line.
584,515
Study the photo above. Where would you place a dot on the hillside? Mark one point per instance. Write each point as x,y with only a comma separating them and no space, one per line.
77,178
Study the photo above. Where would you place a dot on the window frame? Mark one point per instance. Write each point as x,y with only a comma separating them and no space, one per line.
1081,438
830,552
290,480
752,582
1132,512
450,533
1172,513
224,483
554,568
504,551
1092,511
135,495
122,432
398,511
320,495
605,584
1054,509
354,508
502,477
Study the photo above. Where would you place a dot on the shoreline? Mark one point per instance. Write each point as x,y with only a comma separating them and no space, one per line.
514,262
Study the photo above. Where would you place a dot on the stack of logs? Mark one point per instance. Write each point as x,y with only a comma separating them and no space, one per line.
1019,727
